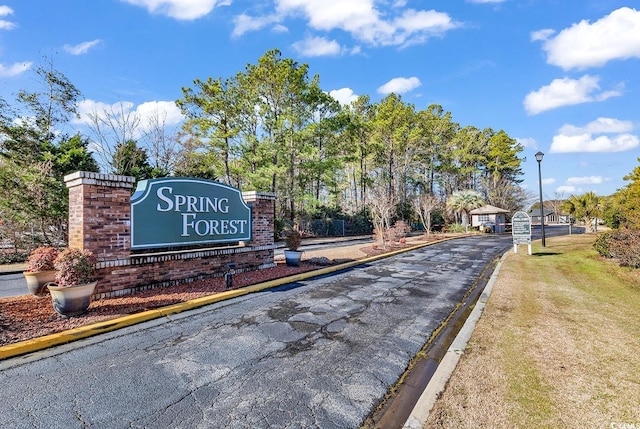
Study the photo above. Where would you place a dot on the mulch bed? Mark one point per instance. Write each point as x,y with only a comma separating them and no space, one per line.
27,316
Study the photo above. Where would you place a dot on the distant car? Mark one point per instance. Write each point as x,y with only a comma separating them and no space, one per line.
488,227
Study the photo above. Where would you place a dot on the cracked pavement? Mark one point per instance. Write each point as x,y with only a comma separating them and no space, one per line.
319,353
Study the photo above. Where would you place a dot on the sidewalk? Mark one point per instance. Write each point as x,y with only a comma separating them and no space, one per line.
13,268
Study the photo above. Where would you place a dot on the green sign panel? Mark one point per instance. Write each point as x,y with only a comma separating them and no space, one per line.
178,211
521,228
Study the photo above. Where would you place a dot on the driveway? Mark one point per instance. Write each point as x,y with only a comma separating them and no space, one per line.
316,354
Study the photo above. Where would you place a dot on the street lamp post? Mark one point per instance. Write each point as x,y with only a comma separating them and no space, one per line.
539,156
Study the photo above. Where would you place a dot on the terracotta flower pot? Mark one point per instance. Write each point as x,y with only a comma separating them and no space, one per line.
71,300
36,281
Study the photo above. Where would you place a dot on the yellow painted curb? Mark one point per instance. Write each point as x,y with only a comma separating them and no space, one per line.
47,341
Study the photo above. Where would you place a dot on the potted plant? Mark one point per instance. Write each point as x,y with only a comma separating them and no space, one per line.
292,241
74,282
40,269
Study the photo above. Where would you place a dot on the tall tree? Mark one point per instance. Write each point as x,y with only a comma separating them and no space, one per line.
392,124
627,201
131,160
502,159
73,155
35,155
213,118
357,153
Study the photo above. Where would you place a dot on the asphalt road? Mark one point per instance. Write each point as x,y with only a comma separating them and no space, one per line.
12,285
316,354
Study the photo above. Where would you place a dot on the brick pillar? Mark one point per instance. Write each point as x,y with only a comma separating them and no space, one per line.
100,213
263,216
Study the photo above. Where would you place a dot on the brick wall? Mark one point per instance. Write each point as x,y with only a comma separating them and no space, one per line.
99,213
100,219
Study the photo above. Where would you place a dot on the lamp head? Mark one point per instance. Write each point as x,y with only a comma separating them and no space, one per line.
539,156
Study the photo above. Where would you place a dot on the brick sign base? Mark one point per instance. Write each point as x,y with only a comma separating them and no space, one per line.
100,221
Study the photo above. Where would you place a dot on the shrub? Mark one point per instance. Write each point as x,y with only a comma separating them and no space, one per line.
42,259
625,247
622,244
602,243
293,239
12,258
75,267
456,227
399,230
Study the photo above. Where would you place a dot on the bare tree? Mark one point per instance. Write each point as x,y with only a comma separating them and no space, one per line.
382,205
504,193
557,205
162,145
112,127
424,205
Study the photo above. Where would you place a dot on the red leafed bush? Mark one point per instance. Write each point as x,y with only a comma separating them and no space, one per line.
75,267
42,259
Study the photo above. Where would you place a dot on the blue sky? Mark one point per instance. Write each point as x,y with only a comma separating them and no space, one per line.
562,77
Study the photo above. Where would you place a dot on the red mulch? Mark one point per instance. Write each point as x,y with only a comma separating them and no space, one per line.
27,316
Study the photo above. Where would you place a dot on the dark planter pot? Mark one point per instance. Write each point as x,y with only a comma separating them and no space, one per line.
72,300
36,281
292,257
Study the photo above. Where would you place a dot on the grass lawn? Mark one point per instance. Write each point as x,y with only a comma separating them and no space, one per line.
558,346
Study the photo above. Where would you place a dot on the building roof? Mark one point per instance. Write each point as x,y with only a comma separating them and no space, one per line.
488,209
536,212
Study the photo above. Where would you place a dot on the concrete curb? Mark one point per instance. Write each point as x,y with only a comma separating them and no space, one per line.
48,341
440,378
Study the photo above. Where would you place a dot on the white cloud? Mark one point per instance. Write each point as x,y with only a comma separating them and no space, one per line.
4,24
581,139
599,126
400,85
528,142
541,34
81,48
566,92
279,28
14,69
91,107
186,10
244,23
344,96
585,44
166,111
590,180
363,19
586,143
416,26
549,181
317,47
565,189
